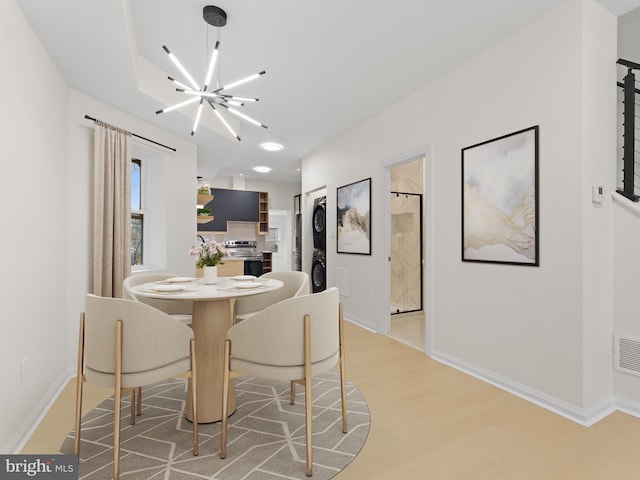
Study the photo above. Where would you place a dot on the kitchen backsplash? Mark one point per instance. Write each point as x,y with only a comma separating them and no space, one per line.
239,231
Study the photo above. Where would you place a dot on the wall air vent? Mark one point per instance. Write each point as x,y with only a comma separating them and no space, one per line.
626,351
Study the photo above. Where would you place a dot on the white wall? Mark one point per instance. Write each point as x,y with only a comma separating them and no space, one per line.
599,37
33,203
46,208
521,327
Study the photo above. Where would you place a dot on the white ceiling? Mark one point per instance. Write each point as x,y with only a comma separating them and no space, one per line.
330,64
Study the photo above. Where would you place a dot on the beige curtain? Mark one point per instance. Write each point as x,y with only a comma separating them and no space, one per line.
112,209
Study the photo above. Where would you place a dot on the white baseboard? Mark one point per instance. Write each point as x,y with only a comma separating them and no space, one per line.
360,323
629,407
585,417
20,438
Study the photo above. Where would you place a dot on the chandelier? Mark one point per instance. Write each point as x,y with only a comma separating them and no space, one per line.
218,98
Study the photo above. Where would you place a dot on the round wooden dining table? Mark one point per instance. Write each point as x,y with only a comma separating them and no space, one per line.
211,318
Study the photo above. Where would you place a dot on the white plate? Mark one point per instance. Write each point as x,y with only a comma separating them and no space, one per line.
169,288
248,285
179,279
242,278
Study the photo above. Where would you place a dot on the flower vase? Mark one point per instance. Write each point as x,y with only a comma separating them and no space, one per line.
210,274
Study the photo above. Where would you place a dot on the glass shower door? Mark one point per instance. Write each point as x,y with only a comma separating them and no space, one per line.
406,252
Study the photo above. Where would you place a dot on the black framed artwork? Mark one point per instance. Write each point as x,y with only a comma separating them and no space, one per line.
500,221
354,218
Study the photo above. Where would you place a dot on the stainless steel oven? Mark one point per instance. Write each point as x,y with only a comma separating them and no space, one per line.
246,250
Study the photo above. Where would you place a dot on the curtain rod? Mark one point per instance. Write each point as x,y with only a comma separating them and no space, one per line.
138,136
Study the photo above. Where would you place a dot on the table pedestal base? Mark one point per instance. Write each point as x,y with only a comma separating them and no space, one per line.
210,322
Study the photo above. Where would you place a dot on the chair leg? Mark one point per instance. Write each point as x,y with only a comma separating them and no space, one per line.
343,373
132,411
225,402
292,393
117,400
139,403
194,396
79,384
76,444
307,394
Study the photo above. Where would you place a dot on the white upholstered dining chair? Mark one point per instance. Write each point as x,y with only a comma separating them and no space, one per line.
294,285
180,310
292,340
124,345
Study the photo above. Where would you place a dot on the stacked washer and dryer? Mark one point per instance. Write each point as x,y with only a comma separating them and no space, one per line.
318,265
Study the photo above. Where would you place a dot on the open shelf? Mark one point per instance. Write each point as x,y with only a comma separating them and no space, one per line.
263,213
205,218
266,262
204,199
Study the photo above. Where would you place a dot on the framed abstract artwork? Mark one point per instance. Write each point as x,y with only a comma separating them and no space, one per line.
500,200
354,218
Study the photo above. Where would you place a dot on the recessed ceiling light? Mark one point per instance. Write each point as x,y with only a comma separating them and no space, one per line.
262,169
271,146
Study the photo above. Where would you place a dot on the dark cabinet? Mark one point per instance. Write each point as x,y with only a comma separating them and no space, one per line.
249,207
230,206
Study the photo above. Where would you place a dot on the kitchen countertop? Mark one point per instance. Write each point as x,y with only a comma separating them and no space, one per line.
241,257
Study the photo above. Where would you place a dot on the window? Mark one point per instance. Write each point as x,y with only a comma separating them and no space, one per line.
137,215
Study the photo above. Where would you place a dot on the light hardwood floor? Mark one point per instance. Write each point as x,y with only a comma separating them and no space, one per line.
409,328
429,421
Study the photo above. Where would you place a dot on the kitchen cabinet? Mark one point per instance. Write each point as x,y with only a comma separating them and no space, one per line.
230,268
238,205
253,267
221,208
235,206
267,258
263,213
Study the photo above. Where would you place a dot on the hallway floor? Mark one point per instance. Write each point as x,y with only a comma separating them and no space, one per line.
408,328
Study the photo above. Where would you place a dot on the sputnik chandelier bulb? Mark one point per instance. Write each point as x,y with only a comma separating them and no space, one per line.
219,99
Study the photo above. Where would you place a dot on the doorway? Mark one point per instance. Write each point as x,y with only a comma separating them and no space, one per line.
278,239
406,302
406,252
